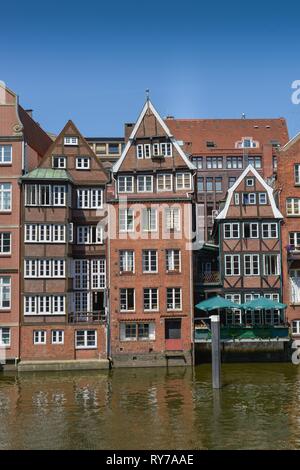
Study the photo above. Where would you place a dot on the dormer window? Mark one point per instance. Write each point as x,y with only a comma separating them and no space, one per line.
58,162
249,182
249,199
166,149
71,140
82,163
140,151
155,150
210,143
247,142
262,198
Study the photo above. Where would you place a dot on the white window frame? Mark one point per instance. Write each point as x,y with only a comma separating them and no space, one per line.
5,188
262,199
296,323
174,290
231,231
232,261
125,305
57,336
151,300
268,228
126,225
140,151
2,152
2,252
251,257
135,337
172,219
45,268
143,179
149,219
277,265
45,305
89,235
164,177
5,330
83,163
294,203
147,151
147,257
252,225
128,182
39,337
236,199
181,181
5,286
166,149
62,161
85,339
127,262
70,140
88,198
170,260
297,173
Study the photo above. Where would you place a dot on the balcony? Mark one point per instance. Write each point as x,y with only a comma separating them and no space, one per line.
245,333
209,278
293,252
87,317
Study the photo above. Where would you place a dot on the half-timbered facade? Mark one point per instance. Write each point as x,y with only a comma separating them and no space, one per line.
63,258
151,295
249,228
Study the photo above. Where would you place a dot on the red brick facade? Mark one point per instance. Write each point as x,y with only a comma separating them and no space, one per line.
288,187
22,143
142,333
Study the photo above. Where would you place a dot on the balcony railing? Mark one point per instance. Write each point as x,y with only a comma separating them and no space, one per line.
212,277
87,317
244,333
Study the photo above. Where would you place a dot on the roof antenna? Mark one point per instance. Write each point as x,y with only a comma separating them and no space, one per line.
243,116
147,94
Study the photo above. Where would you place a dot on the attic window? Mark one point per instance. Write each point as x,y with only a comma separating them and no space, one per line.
210,143
82,163
58,162
247,142
71,141
250,182
275,143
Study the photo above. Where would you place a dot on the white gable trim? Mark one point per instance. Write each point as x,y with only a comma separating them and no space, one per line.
276,212
149,105
292,141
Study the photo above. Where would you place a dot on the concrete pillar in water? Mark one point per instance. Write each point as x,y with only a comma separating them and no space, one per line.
215,351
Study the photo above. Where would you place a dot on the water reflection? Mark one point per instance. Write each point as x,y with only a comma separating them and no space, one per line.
258,407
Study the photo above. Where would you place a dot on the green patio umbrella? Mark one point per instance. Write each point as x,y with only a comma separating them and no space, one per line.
263,304
214,303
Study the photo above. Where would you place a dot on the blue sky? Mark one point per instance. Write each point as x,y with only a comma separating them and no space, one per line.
92,61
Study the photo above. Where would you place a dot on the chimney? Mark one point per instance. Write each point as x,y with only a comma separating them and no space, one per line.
29,111
128,129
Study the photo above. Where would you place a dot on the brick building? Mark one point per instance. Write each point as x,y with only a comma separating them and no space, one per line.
288,186
221,149
248,230
151,297
22,143
64,256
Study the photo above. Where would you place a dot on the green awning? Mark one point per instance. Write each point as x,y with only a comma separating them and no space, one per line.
263,304
48,174
216,302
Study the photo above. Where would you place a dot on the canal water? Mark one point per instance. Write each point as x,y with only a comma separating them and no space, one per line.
257,408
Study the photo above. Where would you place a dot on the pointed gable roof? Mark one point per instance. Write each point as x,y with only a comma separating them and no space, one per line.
230,192
71,129
149,107
290,143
